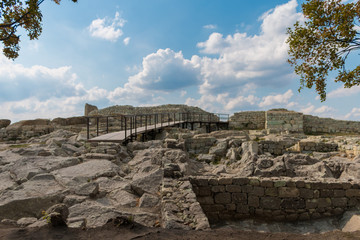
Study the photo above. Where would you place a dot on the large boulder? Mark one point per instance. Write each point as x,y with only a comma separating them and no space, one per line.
75,175
31,198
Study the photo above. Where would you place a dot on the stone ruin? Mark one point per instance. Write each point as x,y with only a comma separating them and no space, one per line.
267,167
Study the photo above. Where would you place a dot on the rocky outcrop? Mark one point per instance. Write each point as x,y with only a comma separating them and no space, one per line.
4,123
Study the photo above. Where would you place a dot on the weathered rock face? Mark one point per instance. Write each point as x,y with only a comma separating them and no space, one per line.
4,123
27,129
34,196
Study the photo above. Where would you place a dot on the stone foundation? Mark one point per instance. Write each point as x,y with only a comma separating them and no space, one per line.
273,199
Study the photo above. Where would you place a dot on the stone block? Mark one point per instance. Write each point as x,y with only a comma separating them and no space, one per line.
213,208
205,200
254,182
267,183
247,188
225,181
280,184
231,207
288,192
306,193
272,192
339,193
270,203
223,198
217,189
293,203
324,193
352,193
203,191
233,188
324,202
311,203
253,201
239,198
213,182
200,182
240,181
258,191
339,202
243,209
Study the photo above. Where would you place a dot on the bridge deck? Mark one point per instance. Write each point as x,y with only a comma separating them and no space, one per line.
120,136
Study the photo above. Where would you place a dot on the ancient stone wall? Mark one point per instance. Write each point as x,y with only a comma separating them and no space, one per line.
273,199
250,120
283,120
316,125
199,145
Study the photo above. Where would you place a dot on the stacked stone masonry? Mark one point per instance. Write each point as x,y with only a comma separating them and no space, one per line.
316,125
281,121
248,120
273,199
179,206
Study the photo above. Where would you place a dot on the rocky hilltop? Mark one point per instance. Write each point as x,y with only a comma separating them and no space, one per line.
183,179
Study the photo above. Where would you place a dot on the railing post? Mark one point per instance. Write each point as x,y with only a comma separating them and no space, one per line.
125,128
155,121
97,126
135,125
161,119
107,124
174,118
145,123
88,127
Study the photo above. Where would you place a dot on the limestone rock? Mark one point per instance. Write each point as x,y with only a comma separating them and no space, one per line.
88,189
4,123
219,149
123,198
208,158
83,172
31,198
57,215
148,201
23,222
147,182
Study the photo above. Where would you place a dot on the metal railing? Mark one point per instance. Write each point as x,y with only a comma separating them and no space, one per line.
131,123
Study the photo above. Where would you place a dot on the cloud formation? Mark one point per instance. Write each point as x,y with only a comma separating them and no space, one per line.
279,99
107,29
258,59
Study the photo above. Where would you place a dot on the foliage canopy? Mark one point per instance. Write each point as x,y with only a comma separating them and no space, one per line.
19,13
323,42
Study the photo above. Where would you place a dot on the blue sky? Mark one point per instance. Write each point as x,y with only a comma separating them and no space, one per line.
223,56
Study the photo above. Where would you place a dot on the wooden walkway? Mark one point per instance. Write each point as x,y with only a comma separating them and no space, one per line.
123,135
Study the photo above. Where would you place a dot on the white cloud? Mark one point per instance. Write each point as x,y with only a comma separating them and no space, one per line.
108,29
162,72
307,110
183,93
241,101
324,109
343,92
126,41
258,59
210,26
279,99
355,113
